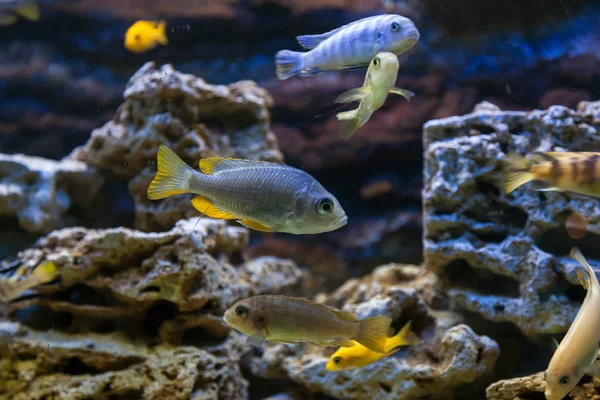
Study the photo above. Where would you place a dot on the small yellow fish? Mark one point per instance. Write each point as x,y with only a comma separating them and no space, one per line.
359,356
11,10
577,352
143,36
379,81
293,320
576,172
264,196
10,289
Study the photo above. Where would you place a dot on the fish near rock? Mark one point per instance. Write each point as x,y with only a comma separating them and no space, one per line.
576,172
577,352
10,289
348,47
143,36
294,320
358,356
260,195
379,81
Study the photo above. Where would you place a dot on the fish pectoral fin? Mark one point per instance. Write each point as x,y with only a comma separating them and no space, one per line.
206,207
256,340
352,95
407,94
248,223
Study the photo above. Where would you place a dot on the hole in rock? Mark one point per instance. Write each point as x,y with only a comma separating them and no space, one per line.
460,274
491,237
558,242
75,366
161,311
83,294
201,337
128,395
483,129
532,396
386,388
150,289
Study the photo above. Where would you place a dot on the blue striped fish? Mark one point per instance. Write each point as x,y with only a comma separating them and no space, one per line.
351,46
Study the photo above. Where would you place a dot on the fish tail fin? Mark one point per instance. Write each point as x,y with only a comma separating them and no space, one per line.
405,337
172,177
162,33
288,63
29,11
45,272
349,123
517,172
372,333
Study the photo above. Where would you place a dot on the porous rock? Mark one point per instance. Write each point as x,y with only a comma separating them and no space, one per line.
449,357
40,193
505,257
188,115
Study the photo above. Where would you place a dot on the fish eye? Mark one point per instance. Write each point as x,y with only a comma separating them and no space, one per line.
137,37
241,311
564,381
337,360
395,27
376,61
325,206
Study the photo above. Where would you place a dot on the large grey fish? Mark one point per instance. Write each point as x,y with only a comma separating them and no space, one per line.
261,195
295,320
348,47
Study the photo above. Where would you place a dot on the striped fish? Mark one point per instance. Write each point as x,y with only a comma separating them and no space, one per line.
576,172
351,46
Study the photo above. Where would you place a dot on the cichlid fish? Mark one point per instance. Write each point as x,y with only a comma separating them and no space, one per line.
10,289
143,36
294,320
265,196
359,356
10,10
348,47
563,171
577,352
379,81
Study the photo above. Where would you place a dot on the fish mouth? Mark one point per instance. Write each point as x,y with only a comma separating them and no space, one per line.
342,221
225,319
414,36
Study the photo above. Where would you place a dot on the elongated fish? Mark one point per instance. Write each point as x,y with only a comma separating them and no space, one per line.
10,289
379,81
577,172
577,352
261,195
359,356
348,47
294,320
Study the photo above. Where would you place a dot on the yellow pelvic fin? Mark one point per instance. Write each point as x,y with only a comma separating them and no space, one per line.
206,207
45,272
162,33
29,11
256,225
172,176
351,95
407,94
405,337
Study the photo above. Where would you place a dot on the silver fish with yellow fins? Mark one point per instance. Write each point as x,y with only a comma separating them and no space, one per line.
379,81
577,352
358,356
10,289
349,47
576,172
260,195
294,320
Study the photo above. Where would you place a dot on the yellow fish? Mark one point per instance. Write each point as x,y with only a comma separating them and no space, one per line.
10,289
379,81
143,36
10,10
576,172
577,352
359,356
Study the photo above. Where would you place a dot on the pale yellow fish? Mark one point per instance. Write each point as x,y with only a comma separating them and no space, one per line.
10,289
359,356
576,354
143,36
11,10
379,82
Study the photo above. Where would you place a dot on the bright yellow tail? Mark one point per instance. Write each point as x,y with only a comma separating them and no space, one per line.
172,176
162,33
405,337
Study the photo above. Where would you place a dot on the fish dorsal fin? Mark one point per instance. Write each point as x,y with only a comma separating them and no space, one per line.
206,207
311,41
345,315
212,165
